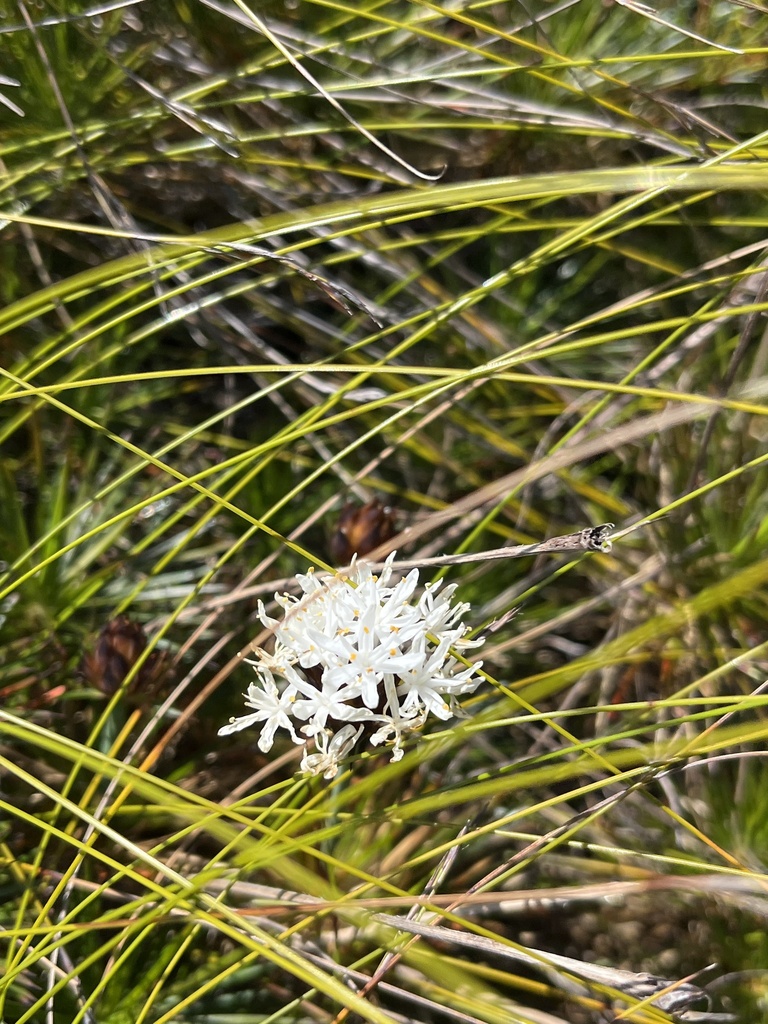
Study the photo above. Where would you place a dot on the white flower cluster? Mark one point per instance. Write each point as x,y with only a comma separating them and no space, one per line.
358,655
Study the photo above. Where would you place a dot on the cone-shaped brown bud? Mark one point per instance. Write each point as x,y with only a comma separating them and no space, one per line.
360,529
120,644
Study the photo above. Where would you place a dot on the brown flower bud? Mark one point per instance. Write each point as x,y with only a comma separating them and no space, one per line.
120,645
360,529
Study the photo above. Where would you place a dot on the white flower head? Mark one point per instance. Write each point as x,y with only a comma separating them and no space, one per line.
358,657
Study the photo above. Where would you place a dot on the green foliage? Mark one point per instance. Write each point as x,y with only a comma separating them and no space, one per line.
502,266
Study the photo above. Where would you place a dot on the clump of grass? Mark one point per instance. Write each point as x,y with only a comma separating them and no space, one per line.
504,271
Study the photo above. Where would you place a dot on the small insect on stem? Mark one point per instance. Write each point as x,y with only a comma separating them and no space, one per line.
593,538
